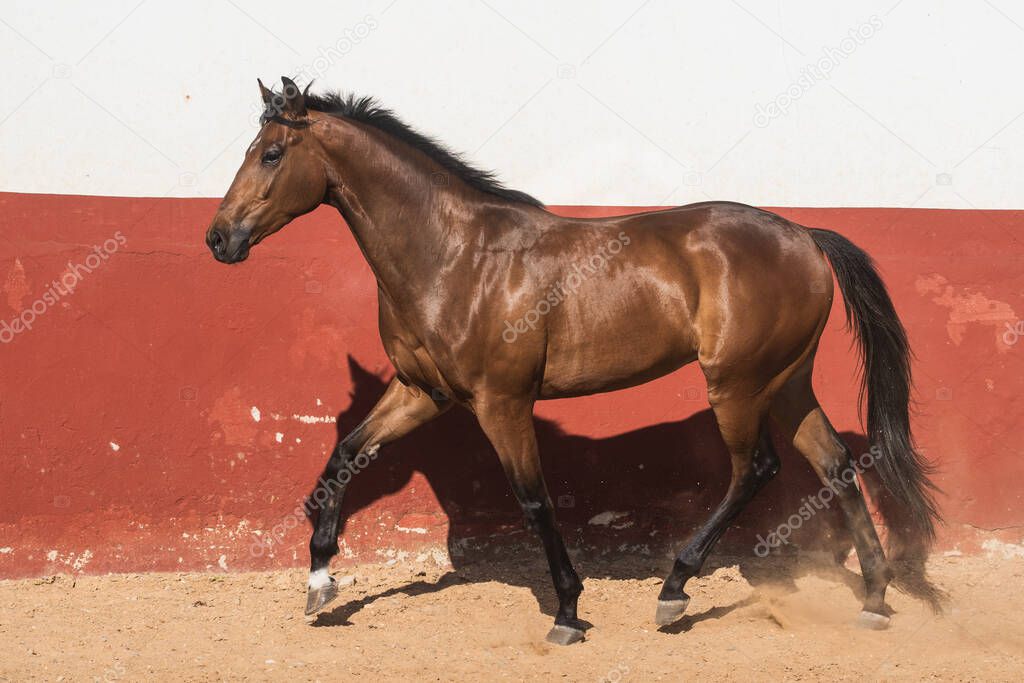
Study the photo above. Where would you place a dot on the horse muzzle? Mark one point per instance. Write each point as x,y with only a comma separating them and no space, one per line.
229,245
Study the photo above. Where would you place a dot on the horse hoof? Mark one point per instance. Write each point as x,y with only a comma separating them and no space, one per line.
320,597
872,621
669,611
564,635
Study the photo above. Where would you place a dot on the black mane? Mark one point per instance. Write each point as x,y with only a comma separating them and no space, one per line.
367,110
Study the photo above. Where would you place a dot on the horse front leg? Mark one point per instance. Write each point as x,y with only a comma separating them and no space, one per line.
508,424
400,410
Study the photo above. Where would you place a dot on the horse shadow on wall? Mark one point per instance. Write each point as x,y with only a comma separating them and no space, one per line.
666,478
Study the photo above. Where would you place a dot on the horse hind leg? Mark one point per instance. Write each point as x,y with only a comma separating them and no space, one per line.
798,413
743,425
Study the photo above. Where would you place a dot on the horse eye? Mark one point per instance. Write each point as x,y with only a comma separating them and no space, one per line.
271,156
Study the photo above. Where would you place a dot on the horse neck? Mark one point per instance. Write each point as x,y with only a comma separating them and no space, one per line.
407,223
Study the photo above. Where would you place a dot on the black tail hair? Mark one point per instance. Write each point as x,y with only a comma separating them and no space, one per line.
909,505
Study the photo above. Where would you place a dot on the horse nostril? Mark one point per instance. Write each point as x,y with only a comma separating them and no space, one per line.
216,241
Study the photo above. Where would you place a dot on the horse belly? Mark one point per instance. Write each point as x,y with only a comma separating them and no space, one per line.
570,379
615,344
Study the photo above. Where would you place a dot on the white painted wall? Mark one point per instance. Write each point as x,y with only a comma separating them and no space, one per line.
612,102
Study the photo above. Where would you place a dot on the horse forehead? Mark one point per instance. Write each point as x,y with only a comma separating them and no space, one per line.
272,136
256,142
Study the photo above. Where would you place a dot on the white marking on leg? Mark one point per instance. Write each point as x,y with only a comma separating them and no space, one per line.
319,578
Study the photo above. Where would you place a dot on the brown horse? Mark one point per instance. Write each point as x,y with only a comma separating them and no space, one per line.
489,301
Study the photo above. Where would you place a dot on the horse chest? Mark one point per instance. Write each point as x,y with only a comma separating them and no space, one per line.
412,362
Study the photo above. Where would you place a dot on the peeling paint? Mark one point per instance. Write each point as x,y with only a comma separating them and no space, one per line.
441,557
967,307
81,561
231,416
304,419
642,549
255,412
114,447
16,286
606,518
1007,551
314,419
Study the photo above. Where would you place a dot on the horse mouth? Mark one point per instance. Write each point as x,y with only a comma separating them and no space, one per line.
239,255
238,258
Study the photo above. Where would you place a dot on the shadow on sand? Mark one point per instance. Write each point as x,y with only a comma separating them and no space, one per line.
667,477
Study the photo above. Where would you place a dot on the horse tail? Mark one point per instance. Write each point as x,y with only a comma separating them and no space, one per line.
905,497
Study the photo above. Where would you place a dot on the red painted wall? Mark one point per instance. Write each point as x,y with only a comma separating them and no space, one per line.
129,440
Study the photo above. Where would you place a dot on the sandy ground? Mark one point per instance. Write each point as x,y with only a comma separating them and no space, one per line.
773,618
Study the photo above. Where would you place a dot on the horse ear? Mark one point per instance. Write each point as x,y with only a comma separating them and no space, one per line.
294,99
265,92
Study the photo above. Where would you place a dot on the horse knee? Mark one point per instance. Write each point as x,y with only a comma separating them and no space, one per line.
536,515
835,467
830,457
